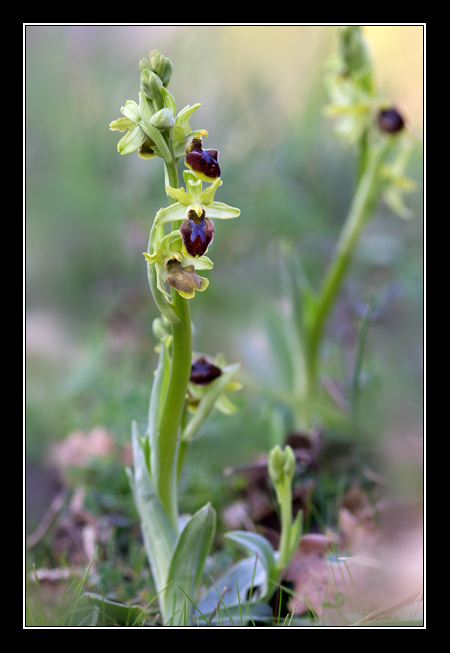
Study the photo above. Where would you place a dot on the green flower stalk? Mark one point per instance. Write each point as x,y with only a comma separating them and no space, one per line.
375,128
179,238
281,472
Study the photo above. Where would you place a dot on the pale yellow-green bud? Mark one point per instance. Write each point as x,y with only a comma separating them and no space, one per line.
161,65
281,464
163,119
151,84
352,48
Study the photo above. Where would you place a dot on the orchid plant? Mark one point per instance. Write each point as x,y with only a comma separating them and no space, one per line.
187,387
376,129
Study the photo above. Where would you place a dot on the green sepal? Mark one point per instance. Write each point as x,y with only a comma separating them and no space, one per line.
209,397
151,86
169,100
183,116
171,213
221,211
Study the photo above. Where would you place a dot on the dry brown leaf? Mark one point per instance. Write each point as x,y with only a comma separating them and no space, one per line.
317,580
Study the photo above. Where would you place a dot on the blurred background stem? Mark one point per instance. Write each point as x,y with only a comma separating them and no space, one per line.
364,201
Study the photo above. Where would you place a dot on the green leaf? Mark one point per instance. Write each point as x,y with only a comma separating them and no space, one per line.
112,613
295,534
255,543
157,530
188,559
247,573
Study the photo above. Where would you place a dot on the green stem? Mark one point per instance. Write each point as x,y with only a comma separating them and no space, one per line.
285,501
169,426
364,200
165,474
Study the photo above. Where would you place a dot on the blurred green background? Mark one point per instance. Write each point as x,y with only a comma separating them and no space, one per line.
89,311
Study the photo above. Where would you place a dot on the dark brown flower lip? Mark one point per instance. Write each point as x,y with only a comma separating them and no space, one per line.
204,162
390,120
203,372
197,235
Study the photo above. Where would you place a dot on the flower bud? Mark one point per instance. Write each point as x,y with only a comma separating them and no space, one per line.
161,65
352,48
159,328
281,464
144,63
390,121
151,84
203,372
205,163
163,119
197,233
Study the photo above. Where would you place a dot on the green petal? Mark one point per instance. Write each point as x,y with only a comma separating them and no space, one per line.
156,257
220,211
179,194
170,214
131,141
207,196
121,125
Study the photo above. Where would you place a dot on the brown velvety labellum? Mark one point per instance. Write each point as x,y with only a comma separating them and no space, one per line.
197,235
204,162
390,121
203,372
